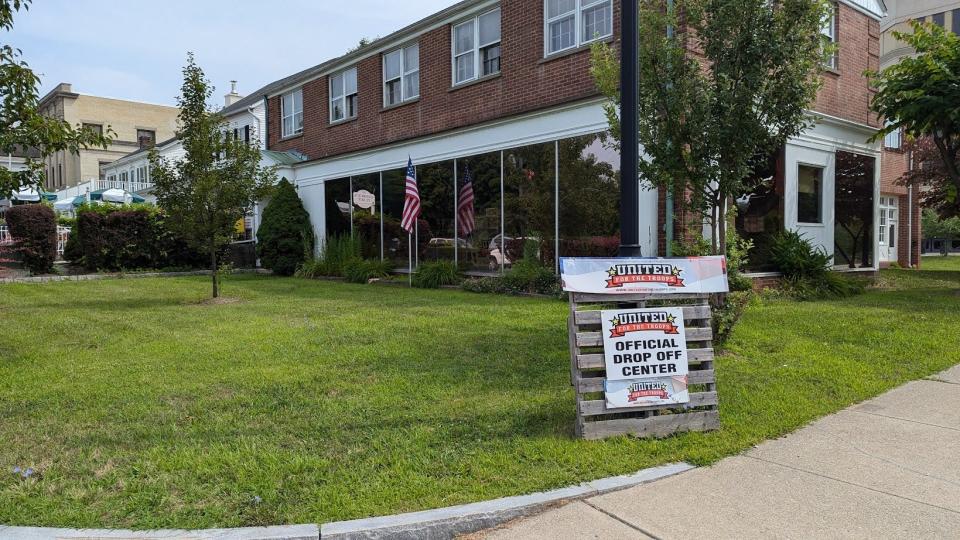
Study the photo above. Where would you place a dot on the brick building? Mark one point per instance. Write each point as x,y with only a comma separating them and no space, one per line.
499,94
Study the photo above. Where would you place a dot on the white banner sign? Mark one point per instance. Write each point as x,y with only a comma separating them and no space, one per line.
645,351
698,275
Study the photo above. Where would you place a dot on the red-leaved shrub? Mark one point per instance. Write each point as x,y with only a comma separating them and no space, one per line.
34,229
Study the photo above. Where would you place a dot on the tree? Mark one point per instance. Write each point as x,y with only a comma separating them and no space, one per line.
21,124
921,95
935,227
719,95
217,181
936,189
285,237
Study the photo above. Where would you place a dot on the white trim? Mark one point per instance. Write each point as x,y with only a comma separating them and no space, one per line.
864,10
475,49
405,73
342,98
577,14
293,115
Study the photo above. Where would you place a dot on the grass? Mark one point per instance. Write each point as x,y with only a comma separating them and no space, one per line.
315,401
939,262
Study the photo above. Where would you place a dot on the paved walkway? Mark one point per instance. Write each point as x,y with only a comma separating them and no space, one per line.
886,468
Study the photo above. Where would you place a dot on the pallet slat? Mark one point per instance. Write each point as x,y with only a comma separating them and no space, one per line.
587,298
596,361
595,339
599,406
690,313
656,426
595,384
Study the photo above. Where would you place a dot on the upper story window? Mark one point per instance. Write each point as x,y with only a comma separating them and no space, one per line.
95,128
571,23
401,75
829,33
291,110
894,139
940,19
955,24
343,95
146,138
476,47
242,133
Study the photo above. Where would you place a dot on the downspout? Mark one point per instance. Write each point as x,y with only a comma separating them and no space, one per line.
668,203
910,214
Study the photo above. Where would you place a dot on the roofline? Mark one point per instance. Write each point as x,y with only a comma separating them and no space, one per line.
865,11
383,44
138,152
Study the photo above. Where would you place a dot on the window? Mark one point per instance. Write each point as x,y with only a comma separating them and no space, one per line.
476,47
572,23
809,194
146,138
291,111
95,128
242,132
401,75
829,33
939,19
956,22
141,177
343,95
893,140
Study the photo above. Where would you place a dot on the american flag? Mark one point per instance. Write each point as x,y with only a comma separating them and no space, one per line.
411,203
465,214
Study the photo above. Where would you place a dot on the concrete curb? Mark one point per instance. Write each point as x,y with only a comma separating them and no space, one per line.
286,532
454,520
432,524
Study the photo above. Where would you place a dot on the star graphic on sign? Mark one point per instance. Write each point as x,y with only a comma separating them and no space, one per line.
615,321
671,318
612,271
677,271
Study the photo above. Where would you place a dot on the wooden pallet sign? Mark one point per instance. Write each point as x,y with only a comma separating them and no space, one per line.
641,344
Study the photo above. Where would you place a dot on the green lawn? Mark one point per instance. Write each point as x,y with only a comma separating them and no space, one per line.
312,401
938,262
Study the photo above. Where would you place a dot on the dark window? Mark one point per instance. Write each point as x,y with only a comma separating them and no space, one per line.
96,128
809,194
939,19
853,214
146,138
760,210
589,197
491,59
956,22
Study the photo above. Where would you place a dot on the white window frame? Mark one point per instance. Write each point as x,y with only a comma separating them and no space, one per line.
578,40
477,47
284,114
829,31
894,139
342,98
406,73
822,206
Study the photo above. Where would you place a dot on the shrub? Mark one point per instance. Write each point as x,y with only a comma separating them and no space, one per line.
529,276
285,237
114,238
34,229
727,315
363,270
433,275
336,252
806,269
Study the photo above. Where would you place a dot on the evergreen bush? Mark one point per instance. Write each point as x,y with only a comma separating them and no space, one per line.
34,230
285,237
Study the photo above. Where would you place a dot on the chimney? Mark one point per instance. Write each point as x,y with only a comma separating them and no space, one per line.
233,96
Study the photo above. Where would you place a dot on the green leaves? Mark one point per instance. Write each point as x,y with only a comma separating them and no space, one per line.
21,124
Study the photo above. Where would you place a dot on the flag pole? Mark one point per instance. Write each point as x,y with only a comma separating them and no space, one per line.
410,258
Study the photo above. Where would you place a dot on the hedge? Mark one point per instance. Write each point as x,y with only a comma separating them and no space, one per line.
34,229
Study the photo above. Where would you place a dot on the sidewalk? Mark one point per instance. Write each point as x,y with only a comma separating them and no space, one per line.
886,468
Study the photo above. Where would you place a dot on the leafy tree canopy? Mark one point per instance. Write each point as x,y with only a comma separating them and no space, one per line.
285,238
719,94
22,126
921,95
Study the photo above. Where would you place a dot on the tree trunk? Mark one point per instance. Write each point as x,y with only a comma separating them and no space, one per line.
722,227
213,269
714,212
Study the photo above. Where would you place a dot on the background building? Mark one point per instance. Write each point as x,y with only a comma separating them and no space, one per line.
136,125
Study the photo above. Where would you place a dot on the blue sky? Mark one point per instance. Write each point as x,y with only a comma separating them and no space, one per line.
135,49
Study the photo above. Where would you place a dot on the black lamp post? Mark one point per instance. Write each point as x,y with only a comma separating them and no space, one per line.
629,120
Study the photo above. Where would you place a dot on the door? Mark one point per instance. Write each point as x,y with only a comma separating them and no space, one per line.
889,227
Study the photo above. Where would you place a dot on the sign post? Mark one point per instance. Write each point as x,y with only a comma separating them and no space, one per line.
639,369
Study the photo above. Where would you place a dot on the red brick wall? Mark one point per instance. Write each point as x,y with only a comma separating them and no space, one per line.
893,164
526,83
846,93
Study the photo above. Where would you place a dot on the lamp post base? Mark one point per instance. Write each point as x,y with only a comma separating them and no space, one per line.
630,250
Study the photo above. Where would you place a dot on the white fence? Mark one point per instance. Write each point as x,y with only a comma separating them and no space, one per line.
63,234
130,186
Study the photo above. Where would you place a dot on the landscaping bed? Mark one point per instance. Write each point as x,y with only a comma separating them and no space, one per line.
139,405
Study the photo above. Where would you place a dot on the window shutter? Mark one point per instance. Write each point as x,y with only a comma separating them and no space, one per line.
246,134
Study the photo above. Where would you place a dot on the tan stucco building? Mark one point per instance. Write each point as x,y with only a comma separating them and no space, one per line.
135,125
945,13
